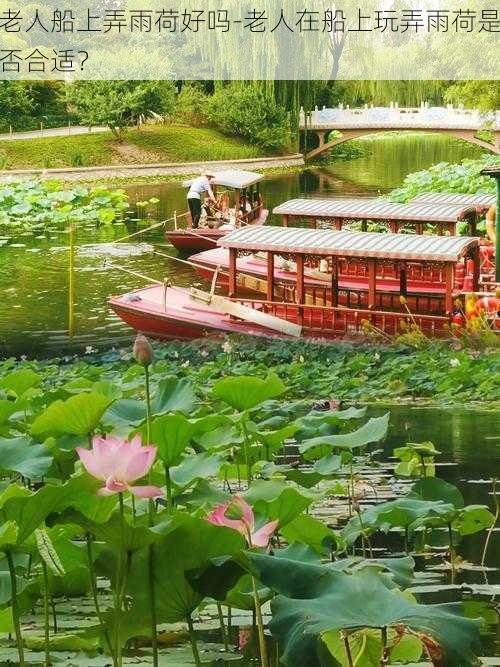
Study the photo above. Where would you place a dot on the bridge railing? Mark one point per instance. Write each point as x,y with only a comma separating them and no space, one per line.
448,117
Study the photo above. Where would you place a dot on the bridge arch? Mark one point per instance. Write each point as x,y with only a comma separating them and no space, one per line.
350,134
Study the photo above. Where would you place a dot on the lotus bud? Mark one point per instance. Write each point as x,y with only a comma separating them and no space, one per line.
143,352
234,511
402,300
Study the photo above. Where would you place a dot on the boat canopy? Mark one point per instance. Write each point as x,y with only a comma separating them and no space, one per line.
374,209
454,198
237,179
370,245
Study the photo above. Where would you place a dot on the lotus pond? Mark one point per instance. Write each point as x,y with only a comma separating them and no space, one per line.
274,521
234,502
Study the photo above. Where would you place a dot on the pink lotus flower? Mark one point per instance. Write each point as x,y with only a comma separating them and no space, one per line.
244,525
118,463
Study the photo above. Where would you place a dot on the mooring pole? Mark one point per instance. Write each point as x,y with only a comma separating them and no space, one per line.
494,172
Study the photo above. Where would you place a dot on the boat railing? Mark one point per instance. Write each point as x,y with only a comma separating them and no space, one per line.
335,320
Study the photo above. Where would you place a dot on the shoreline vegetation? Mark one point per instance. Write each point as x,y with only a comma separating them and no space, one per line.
152,144
439,374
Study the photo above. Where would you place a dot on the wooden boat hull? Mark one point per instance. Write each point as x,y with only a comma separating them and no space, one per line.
188,240
178,317
181,319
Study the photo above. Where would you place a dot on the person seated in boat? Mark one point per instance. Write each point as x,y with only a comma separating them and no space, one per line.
197,188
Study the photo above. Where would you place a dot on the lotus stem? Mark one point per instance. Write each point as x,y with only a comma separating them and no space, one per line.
15,610
245,449
222,627
151,506
119,585
95,594
406,540
384,659
347,649
260,625
194,644
54,616
168,486
452,552
152,599
46,613
492,527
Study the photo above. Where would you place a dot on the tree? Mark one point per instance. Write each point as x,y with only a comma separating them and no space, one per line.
120,104
14,101
482,95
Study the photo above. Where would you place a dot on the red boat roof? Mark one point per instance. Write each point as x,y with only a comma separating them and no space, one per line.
349,244
374,209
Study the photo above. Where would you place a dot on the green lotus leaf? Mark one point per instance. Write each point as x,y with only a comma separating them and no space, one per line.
79,415
172,435
198,466
22,455
246,392
374,430
315,599
435,489
277,500
20,381
174,395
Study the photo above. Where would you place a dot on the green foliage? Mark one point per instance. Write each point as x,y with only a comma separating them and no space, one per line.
444,177
34,204
210,420
79,415
14,101
245,111
482,95
245,393
119,104
315,599
191,104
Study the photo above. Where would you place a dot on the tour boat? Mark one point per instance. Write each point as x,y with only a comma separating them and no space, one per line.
442,210
321,310
245,198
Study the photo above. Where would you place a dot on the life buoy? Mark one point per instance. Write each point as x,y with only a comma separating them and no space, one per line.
489,305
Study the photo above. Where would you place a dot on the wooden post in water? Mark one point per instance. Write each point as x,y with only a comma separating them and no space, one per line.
71,282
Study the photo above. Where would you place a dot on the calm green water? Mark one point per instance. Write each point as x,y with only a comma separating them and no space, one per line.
52,303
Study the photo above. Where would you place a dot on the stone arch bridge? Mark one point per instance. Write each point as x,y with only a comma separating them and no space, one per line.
353,123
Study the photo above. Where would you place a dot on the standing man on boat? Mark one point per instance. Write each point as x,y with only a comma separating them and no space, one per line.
197,187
